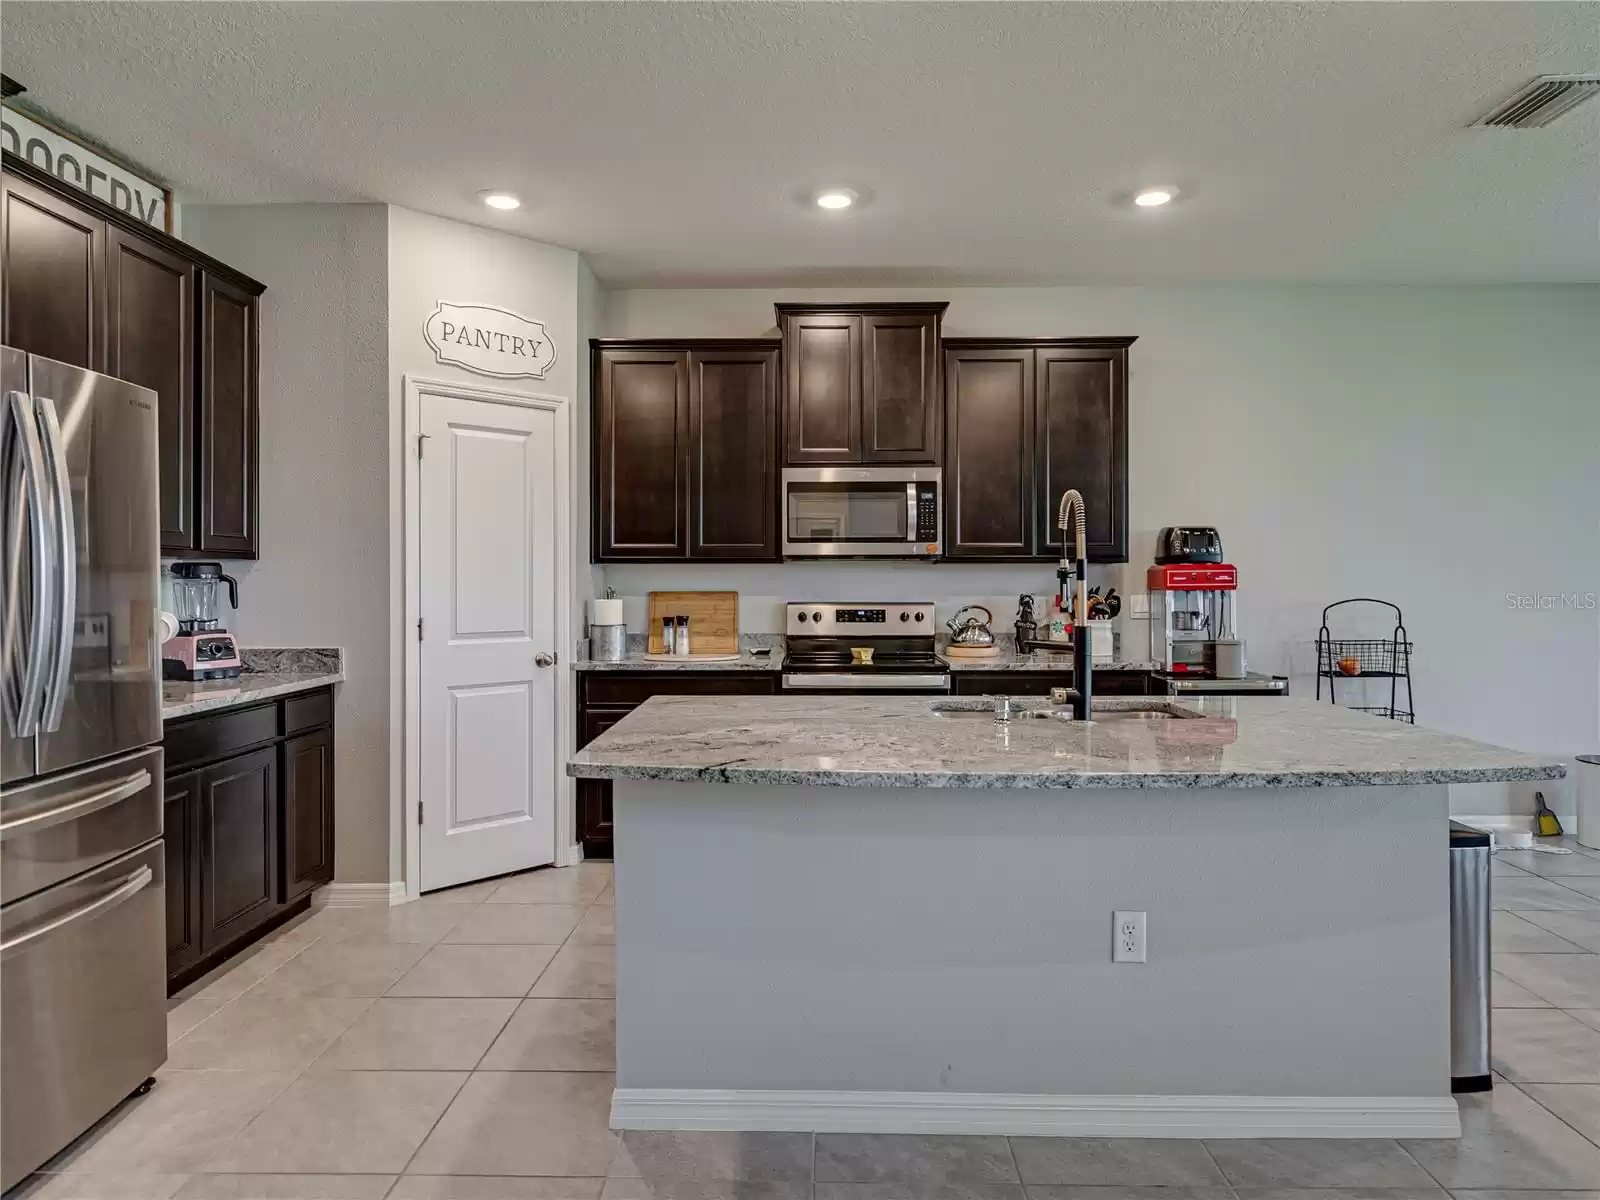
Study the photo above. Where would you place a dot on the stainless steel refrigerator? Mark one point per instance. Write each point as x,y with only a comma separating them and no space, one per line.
82,872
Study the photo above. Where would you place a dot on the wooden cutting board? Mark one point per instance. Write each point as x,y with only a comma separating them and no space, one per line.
954,651
713,620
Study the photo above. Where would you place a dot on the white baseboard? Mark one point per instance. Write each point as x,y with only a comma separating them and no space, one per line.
1501,822
347,895
1057,1116
571,856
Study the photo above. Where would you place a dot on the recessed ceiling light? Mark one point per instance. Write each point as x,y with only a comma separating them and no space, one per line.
501,200
1155,197
836,198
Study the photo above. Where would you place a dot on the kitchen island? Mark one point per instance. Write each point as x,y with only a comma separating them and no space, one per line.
888,914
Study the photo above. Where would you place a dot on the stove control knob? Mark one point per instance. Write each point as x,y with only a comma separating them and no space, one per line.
816,616
907,617
919,616
803,617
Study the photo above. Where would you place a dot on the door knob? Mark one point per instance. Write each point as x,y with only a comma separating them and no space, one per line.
544,660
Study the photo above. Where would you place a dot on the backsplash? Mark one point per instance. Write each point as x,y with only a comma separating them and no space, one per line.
277,660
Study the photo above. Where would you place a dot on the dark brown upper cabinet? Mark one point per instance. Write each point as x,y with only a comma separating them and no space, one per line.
1028,419
1081,441
733,453
988,473
150,341
685,450
229,424
641,454
87,284
861,383
53,275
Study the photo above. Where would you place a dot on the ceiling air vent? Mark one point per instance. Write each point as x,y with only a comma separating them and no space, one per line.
1542,101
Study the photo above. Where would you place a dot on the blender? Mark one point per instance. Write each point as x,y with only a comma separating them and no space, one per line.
202,648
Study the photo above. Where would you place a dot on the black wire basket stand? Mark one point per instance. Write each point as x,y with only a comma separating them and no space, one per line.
1373,658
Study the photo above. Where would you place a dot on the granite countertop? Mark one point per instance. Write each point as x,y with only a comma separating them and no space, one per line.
902,741
1042,660
638,662
268,673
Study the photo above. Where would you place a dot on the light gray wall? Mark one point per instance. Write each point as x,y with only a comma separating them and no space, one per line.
1432,446
952,940
432,259
322,579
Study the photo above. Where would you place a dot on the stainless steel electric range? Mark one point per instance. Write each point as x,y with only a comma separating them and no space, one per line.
875,647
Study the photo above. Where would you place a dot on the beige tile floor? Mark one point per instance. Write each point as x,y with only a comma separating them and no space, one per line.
461,1048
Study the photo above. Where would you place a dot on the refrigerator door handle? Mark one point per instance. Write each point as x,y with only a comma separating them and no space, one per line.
76,805
126,890
60,675
23,707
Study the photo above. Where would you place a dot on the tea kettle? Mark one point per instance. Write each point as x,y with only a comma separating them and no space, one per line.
971,632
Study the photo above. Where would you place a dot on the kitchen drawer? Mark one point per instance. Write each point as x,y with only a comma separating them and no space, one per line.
217,735
620,688
307,712
62,826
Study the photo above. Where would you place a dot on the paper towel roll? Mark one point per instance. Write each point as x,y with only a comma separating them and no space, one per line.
605,612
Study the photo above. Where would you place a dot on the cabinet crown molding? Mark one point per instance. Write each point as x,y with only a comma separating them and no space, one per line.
23,169
1088,343
886,306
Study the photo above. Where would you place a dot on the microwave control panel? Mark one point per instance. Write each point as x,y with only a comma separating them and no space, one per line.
927,512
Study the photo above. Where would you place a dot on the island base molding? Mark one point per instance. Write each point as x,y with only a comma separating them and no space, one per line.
1044,1116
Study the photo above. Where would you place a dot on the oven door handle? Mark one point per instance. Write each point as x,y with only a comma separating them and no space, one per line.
867,683
126,890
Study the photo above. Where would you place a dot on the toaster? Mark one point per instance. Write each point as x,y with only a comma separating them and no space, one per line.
1188,544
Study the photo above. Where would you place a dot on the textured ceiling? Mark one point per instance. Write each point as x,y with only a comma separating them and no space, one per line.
996,142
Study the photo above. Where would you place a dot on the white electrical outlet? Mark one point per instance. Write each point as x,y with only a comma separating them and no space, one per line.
1127,937
1141,606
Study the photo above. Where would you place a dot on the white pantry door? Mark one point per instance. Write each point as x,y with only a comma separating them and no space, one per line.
488,605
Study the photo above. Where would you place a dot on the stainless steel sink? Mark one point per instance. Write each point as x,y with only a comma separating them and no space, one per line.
1137,714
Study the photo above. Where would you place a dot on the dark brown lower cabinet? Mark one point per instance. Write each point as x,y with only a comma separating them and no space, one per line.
249,826
605,697
239,845
181,834
1039,683
307,813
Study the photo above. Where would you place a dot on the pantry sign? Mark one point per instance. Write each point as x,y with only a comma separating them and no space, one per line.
489,341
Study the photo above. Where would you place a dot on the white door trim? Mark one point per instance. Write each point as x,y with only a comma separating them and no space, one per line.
416,389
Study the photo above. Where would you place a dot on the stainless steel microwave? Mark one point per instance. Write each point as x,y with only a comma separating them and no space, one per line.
862,512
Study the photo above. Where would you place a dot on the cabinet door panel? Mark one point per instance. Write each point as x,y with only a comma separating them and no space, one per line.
823,388
1081,441
641,454
181,840
52,270
900,402
307,813
733,462
229,419
239,845
988,473
150,341
594,795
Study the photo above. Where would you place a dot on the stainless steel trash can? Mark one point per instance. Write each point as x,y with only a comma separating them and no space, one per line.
1469,959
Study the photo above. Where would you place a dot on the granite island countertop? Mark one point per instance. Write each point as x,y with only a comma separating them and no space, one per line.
903,741
268,673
